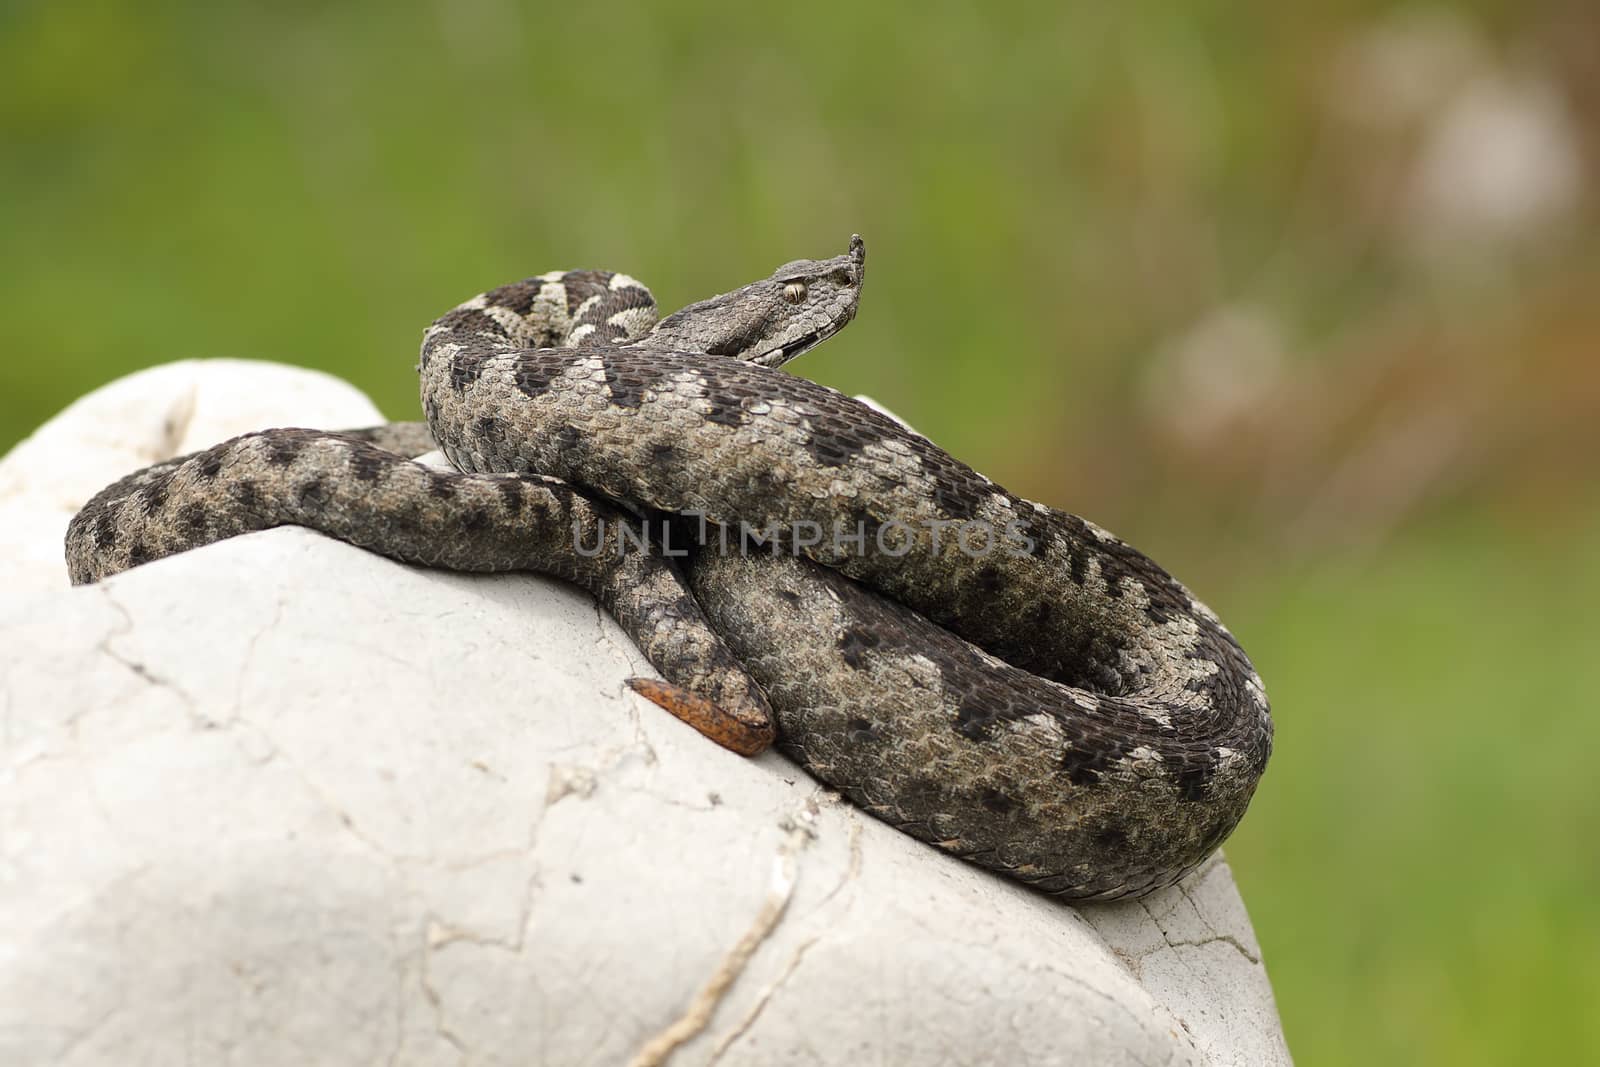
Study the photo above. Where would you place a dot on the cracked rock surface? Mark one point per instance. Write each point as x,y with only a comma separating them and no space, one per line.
280,801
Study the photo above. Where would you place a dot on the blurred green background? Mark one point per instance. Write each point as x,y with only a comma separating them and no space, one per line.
1302,299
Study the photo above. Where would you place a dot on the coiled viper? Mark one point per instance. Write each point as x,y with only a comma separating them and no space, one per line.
1098,738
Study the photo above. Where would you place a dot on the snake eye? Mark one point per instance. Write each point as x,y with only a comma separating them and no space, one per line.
794,292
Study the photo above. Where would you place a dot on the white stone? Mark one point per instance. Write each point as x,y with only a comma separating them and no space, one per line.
280,801
141,419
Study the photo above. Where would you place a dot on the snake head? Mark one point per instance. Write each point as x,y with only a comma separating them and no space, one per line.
771,321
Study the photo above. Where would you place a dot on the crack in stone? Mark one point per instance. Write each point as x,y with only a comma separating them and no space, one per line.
627,653
247,661
328,803
399,959
1215,937
1226,939
429,933
77,1040
743,1025
1141,1022
703,1006
138,669
851,873
530,890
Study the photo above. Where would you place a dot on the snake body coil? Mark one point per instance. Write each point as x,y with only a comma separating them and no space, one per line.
1006,681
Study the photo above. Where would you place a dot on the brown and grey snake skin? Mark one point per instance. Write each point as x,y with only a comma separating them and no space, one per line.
1098,738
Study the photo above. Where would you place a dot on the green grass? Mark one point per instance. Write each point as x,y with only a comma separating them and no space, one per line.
1046,195
1420,860
1049,193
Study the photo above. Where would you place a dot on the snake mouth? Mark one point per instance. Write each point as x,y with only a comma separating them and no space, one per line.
776,357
